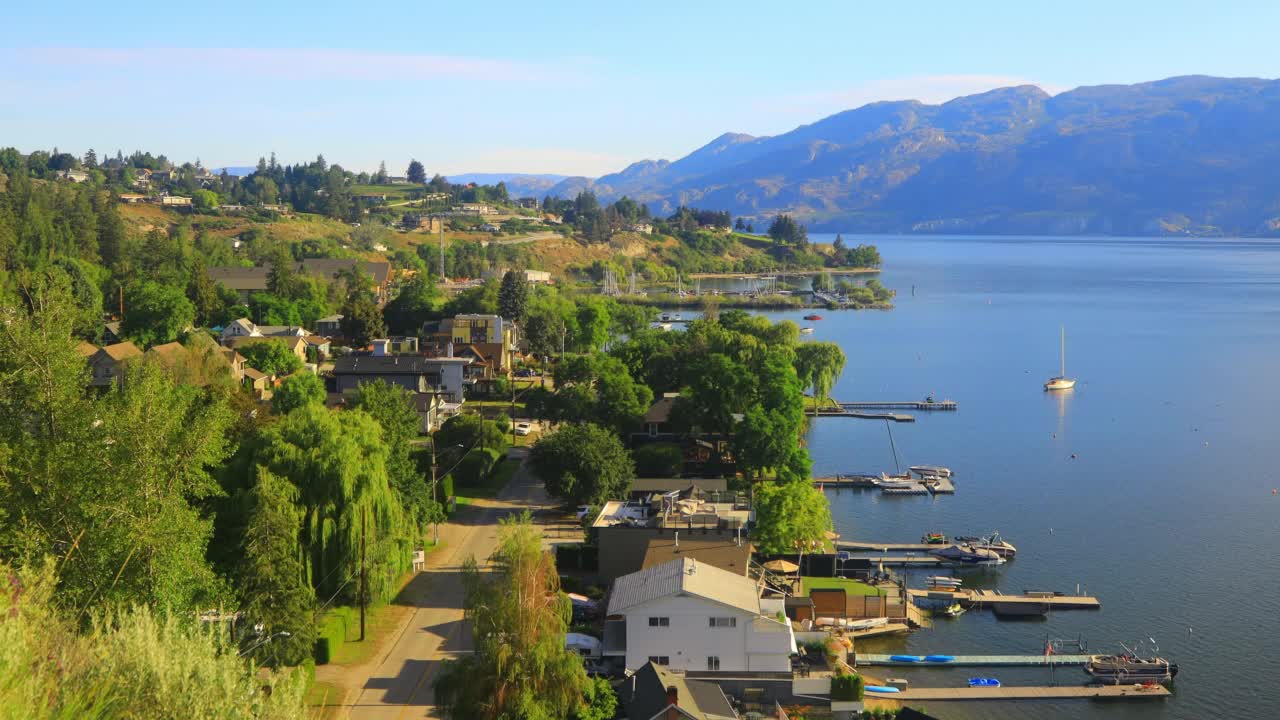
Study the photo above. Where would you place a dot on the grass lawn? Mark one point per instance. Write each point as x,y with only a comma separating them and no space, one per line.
851,587
324,700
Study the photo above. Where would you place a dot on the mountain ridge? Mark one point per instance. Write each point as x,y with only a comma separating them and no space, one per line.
1182,155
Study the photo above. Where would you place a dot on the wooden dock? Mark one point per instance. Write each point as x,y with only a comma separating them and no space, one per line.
847,481
979,661
886,547
988,598
907,560
906,405
827,412
1027,692
912,489
942,486
886,629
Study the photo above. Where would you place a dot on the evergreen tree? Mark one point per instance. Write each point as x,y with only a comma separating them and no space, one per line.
513,295
203,293
361,319
416,174
381,177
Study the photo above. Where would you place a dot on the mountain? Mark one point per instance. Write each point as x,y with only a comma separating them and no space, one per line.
235,171
1186,155
518,184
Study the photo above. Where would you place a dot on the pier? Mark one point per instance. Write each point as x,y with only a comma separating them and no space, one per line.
942,486
906,405
1026,692
829,412
906,560
886,547
849,481
988,598
978,661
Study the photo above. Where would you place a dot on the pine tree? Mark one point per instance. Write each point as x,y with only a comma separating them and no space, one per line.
202,291
513,295
381,177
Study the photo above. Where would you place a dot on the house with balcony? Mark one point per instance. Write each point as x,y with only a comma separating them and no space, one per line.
690,616
632,535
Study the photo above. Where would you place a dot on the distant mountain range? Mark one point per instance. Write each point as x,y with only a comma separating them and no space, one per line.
1183,156
518,184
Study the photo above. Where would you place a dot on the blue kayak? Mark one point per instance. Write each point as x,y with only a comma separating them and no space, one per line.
984,682
906,658
939,658
880,689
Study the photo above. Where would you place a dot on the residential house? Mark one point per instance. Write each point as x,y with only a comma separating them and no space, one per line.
402,344
469,329
691,616
244,327
248,280
86,350
111,332
231,208
624,530
329,326
280,208
132,198
236,361
528,203
488,360
655,693
490,228
257,381
430,407
429,223
297,344
163,175
318,345
657,420
476,209
640,227
106,364
417,374
175,201
533,276
75,176
703,454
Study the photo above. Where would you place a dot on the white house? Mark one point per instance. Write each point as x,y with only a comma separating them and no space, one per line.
243,327
688,615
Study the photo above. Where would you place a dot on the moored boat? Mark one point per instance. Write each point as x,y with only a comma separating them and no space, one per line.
813,316
806,331
1129,667
931,470
1061,382
992,542
968,555
934,538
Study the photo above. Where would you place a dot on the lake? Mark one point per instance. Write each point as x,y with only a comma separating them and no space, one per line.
1149,485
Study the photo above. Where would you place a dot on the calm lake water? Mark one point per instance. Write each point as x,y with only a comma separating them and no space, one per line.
1149,485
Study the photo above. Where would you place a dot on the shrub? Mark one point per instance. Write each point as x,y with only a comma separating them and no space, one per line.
331,634
659,460
846,686
475,465
446,488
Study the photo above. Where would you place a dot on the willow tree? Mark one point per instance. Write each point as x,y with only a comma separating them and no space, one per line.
520,667
818,365
338,463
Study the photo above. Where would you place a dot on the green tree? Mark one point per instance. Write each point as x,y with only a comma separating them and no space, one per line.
204,200
593,325
462,433
818,365
598,389
790,515
271,576
393,408
270,356
412,306
659,460
155,313
520,667
416,174
513,296
203,293
297,390
361,319
598,701
583,464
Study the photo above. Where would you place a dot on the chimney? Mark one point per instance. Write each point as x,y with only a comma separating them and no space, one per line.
673,696
677,541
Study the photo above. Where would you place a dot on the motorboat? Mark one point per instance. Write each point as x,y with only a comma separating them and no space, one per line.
993,542
955,609
806,331
1061,382
931,471
968,555
943,582
813,316
934,538
1130,667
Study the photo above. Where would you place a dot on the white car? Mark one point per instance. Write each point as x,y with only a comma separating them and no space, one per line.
523,428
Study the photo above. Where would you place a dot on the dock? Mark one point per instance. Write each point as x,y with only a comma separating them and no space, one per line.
942,486
828,412
848,481
989,598
906,560
885,547
886,629
903,405
1028,692
979,661
912,489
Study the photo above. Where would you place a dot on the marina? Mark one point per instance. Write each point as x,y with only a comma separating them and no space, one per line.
1027,692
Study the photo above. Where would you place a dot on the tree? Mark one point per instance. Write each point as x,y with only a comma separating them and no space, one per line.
412,306
659,459
282,277
203,293
513,295
598,389
818,365
593,325
155,313
393,408
270,356
204,200
361,319
583,464
271,576
462,433
785,230
297,390
520,667
790,515
380,178
416,173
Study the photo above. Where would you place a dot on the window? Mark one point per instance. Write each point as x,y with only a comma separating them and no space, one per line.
659,622
724,622
713,662
660,659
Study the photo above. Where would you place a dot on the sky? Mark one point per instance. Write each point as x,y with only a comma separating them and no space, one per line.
571,88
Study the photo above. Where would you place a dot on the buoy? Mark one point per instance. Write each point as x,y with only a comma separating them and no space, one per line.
1073,456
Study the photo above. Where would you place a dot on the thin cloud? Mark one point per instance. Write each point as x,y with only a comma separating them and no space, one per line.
296,63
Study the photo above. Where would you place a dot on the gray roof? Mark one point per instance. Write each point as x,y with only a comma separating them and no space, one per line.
644,695
685,576
391,364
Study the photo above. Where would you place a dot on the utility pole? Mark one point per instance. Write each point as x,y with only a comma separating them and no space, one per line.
442,278
511,380
364,582
433,488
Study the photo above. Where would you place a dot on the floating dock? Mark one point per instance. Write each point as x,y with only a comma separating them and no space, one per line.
826,412
886,547
978,661
907,405
886,629
1062,692
912,489
839,481
942,486
988,598
906,560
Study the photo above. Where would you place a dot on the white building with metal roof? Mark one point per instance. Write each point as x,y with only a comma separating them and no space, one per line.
688,615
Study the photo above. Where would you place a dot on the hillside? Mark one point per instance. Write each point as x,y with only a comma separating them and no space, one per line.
1187,155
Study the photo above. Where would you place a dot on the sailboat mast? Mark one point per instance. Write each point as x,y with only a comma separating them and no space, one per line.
1064,351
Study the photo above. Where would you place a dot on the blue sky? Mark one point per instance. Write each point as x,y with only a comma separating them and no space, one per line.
567,87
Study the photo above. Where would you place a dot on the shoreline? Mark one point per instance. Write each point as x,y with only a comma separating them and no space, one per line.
767,302
746,275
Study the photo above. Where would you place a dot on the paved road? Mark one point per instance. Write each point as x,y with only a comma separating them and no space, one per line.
400,684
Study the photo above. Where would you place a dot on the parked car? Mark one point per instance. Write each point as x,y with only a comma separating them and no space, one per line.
523,428
526,372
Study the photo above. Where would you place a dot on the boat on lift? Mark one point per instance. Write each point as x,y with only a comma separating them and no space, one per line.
967,555
992,542
1130,667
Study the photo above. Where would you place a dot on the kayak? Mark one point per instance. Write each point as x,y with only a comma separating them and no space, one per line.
984,682
906,658
939,658
880,689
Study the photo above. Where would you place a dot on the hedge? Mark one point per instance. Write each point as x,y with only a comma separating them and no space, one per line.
331,634
846,687
446,488
659,460
475,465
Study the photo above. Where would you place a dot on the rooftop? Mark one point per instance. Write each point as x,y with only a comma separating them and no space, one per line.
392,364
660,410
645,696
668,511
726,552
122,351
685,576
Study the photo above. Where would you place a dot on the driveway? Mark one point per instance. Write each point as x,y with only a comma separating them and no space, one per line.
398,683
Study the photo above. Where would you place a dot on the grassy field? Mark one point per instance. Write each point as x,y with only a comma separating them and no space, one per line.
851,587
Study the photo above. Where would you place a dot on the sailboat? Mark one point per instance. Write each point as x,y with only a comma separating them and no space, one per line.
1062,382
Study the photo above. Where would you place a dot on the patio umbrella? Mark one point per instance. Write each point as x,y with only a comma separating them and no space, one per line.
782,566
